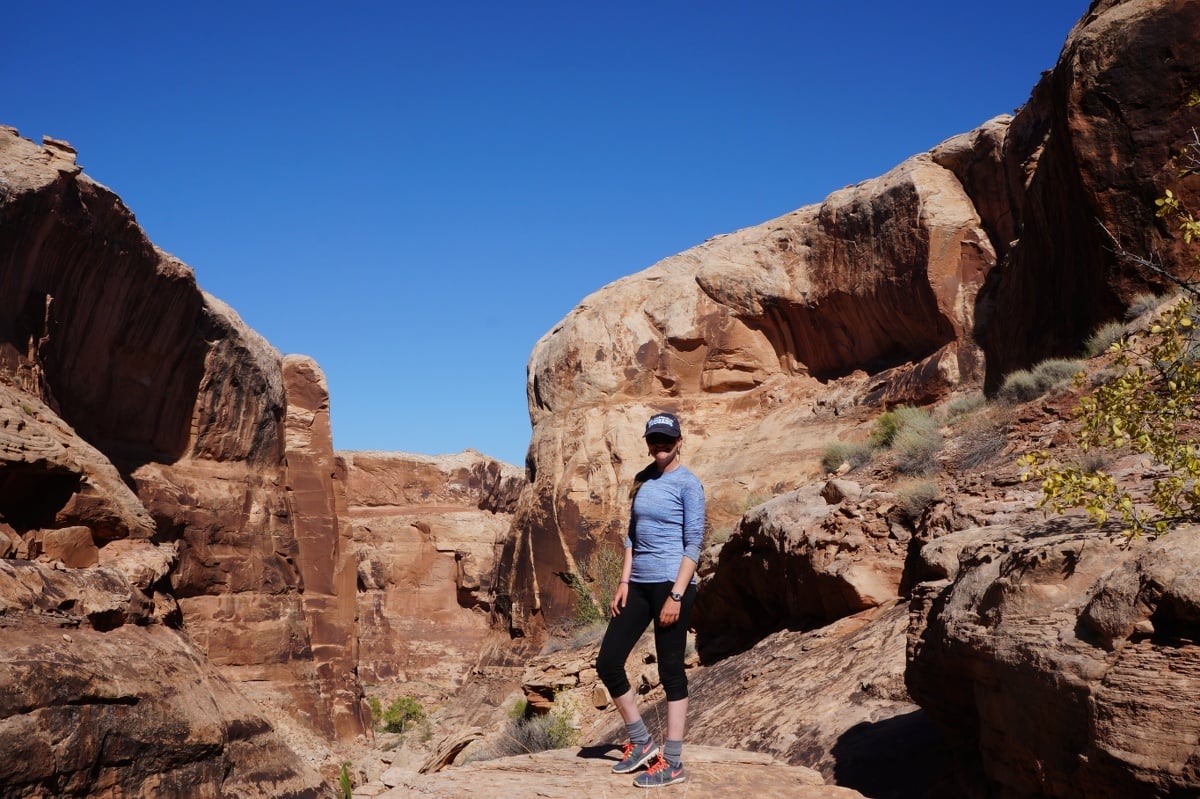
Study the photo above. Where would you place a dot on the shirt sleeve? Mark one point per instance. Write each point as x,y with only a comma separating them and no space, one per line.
693,519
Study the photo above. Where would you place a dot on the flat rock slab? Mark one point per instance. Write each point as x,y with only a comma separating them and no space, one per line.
587,774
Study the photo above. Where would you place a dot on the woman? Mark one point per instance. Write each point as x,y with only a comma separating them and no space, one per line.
666,529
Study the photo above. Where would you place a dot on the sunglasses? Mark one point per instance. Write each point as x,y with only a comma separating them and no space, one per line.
661,441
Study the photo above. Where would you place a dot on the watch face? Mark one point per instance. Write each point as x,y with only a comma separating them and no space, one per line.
677,597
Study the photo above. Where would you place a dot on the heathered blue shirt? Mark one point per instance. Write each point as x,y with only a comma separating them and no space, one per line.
666,523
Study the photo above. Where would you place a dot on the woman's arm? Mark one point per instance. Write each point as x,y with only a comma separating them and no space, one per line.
621,594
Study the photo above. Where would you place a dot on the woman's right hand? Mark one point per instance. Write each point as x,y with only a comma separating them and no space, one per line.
619,599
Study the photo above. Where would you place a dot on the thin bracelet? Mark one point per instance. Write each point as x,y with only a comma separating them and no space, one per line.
623,582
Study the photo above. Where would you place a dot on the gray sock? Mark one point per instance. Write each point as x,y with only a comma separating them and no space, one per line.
638,733
673,753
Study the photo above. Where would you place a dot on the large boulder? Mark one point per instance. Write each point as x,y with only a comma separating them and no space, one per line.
81,715
1061,662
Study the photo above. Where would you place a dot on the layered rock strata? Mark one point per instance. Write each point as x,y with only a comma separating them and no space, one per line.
1062,663
155,429
426,531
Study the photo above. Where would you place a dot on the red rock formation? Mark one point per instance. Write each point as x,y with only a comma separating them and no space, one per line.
1092,149
1062,664
118,371
99,700
763,341
426,531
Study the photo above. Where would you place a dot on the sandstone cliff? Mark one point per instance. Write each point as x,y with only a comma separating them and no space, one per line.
960,265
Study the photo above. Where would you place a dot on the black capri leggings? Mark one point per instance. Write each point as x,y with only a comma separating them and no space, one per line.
624,630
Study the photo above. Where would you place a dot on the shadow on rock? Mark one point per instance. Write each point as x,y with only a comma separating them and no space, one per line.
898,758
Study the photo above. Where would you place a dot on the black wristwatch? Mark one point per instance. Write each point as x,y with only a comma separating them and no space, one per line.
676,597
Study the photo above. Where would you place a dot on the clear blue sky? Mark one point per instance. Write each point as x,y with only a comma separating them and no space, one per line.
413,194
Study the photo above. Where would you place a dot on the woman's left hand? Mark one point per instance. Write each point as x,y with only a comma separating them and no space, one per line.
669,613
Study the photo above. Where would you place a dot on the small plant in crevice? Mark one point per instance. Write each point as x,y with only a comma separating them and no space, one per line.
595,584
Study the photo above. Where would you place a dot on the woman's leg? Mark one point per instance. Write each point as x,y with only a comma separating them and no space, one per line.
622,635
670,644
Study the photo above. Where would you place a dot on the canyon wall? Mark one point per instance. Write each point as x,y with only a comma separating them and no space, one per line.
984,255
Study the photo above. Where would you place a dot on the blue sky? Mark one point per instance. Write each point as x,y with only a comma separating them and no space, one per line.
413,194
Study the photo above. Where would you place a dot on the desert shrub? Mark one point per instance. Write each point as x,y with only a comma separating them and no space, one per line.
889,424
1056,373
345,784
914,496
978,441
915,448
1147,409
1018,386
1024,385
595,584
854,453
1104,337
959,407
400,714
913,437
1140,304
885,429
525,734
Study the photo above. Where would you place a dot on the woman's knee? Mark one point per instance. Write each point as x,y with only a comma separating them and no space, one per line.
675,684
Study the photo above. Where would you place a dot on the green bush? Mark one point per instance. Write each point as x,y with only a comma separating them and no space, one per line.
594,586
1105,336
399,715
345,784
913,437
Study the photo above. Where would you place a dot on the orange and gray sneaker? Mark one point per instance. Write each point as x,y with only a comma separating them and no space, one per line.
660,773
635,756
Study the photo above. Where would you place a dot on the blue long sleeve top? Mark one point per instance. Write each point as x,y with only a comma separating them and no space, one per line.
666,524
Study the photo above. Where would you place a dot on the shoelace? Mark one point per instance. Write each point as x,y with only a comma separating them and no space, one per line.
628,751
658,765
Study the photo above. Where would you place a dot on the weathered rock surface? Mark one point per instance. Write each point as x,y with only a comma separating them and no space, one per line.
746,337
145,431
82,715
799,561
426,531
1090,151
1062,663
586,774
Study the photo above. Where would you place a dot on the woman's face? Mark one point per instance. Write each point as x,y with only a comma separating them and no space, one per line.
664,450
